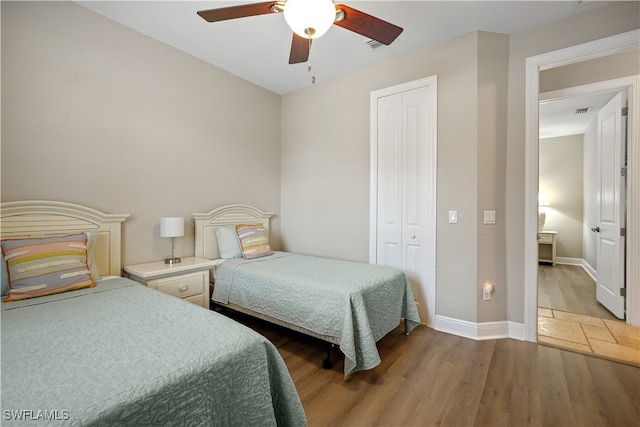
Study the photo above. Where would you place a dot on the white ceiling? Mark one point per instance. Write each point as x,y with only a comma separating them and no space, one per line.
257,48
559,118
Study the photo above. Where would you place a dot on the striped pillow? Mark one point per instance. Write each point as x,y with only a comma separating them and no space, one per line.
254,240
46,266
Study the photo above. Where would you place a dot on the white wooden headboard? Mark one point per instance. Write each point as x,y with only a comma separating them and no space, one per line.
39,218
229,215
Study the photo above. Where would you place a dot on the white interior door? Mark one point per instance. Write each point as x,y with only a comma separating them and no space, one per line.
404,174
610,244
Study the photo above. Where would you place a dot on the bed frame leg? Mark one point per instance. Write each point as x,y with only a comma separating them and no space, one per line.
326,363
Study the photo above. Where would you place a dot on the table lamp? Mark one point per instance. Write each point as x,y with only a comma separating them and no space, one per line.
172,226
543,202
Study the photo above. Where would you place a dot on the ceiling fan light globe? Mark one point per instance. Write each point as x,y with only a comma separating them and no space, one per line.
310,18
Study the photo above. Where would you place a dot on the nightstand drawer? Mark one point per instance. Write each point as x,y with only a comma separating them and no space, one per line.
545,238
188,279
182,286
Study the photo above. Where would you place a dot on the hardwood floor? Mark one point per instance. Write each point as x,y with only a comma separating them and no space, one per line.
569,288
431,378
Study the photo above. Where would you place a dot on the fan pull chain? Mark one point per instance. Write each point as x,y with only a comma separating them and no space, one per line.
313,78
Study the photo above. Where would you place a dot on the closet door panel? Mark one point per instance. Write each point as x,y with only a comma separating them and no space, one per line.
414,185
390,181
414,197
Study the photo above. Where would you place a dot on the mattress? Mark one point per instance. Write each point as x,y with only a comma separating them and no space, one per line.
123,354
354,303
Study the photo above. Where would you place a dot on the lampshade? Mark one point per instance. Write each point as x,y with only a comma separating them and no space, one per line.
172,226
543,200
310,18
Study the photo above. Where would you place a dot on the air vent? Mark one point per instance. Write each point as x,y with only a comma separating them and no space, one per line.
583,110
373,44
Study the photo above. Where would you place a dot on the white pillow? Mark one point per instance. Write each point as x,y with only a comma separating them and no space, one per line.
228,243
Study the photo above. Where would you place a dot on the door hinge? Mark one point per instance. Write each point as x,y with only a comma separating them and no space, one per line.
623,232
623,171
623,292
625,111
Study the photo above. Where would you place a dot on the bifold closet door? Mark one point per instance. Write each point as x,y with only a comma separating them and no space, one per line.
404,188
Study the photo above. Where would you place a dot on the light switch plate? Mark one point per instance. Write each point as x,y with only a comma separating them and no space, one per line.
489,217
453,217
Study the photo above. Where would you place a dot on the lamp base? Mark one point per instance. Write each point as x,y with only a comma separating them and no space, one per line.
170,260
542,218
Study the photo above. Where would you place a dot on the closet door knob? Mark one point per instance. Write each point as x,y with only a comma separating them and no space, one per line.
595,229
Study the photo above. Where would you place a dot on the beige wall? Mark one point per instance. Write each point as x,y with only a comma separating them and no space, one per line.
97,114
593,71
491,176
561,179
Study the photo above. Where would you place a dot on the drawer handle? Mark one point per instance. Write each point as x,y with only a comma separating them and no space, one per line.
183,287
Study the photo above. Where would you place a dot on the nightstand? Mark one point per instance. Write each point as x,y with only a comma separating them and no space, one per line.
547,246
188,279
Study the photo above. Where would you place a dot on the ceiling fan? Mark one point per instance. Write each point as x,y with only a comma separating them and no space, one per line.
310,19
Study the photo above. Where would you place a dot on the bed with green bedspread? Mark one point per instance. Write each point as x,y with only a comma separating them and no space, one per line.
123,354
349,303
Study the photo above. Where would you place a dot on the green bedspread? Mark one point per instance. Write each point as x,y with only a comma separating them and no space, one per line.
354,302
123,354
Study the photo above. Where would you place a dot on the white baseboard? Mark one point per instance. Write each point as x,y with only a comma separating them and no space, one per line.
578,261
480,331
516,330
590,270
569,261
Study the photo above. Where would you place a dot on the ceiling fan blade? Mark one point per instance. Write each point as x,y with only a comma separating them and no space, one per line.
300,48
367,25
242,11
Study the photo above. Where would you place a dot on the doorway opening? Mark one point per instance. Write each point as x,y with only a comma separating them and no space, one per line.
571,314
576,54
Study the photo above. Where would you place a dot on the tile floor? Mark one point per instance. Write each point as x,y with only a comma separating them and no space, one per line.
608,338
